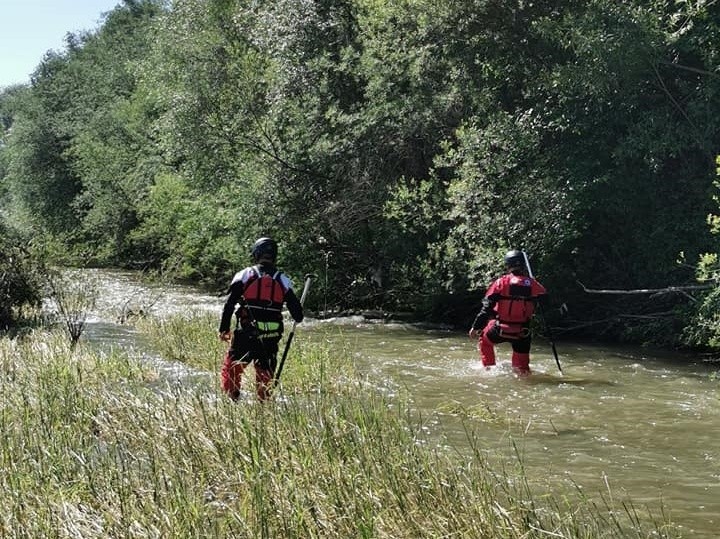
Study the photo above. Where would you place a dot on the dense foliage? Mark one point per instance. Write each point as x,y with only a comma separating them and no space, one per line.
397,148
19,278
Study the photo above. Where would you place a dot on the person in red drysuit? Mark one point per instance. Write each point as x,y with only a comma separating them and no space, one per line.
259,293
507,309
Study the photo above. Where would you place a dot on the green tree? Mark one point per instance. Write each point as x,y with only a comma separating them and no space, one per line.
37,172
208,83
19,277
77,153
113,152
703,329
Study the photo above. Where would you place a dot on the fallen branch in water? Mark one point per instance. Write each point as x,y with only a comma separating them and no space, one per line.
667,290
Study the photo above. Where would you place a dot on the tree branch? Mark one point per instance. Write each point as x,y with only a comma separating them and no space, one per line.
689,68
666,290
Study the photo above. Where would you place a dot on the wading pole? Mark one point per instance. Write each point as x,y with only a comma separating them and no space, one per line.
308,279
542,315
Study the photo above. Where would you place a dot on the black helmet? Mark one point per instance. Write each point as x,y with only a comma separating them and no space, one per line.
264,247
515,260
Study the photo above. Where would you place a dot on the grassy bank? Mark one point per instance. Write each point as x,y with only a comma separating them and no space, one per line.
98,445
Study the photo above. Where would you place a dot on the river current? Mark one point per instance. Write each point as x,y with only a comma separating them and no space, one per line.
625,423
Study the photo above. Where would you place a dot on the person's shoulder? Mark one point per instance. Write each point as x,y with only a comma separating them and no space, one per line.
284,278
496,283
502,279
539,284
243,275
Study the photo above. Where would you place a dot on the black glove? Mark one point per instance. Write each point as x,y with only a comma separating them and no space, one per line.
480,321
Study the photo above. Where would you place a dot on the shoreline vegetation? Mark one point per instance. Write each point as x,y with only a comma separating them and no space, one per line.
98,444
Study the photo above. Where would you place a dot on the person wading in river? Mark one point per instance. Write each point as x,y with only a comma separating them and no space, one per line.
507,309
258,292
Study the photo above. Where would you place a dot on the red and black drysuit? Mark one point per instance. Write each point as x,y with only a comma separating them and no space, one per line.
258,292
507,309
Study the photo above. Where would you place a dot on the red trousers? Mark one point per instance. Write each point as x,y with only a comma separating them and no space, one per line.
491,336
231,378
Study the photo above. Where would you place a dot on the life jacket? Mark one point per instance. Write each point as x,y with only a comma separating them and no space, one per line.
264,295
515,297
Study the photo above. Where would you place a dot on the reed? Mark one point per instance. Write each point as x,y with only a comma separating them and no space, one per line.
94,446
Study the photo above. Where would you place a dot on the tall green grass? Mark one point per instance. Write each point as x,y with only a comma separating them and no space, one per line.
96,445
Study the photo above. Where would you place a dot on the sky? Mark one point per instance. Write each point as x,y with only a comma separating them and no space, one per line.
30,28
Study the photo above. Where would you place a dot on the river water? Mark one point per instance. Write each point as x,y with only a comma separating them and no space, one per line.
632,424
